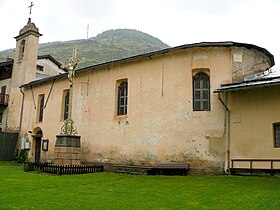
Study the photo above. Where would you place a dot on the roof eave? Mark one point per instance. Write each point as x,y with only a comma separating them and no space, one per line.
159,52
237,88
50,57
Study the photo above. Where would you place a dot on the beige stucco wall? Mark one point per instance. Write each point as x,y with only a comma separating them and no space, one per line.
253,113
50,68
161,124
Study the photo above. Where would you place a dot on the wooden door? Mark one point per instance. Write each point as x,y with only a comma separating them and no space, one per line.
38,149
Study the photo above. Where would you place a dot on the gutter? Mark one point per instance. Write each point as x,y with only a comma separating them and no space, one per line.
21,114
227,131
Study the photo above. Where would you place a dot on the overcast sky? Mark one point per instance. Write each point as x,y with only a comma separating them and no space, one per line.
175,22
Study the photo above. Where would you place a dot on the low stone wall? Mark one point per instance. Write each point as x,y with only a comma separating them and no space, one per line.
196,167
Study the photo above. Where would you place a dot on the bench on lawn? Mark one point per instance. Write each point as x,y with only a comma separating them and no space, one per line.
136,170
266,165
170,168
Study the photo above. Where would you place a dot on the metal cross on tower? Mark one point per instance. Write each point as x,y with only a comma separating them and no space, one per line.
30,7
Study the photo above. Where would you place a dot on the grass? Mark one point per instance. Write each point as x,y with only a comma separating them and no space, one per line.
21,190
8,163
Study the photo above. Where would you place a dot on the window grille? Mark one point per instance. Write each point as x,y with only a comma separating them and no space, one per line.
122,98
201,92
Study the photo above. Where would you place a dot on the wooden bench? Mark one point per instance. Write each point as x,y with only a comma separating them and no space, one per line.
170,168
250,165
136,170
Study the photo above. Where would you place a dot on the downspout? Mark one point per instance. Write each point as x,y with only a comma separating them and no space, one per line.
227,131
21,114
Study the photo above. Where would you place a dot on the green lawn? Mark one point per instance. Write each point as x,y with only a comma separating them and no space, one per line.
22,190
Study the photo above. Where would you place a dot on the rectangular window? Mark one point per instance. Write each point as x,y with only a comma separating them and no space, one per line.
41,108
1,118
122,98
276,128
40,68
3,94
65,104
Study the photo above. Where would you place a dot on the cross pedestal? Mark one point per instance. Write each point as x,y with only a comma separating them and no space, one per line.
67,150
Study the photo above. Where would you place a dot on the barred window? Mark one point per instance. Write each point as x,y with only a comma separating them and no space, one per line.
201,92
276,128
122,98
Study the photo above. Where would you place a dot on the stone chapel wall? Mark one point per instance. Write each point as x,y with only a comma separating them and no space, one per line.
247,62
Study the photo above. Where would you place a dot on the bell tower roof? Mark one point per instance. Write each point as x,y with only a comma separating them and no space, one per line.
29,28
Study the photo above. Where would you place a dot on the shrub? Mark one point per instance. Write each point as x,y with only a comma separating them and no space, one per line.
22,155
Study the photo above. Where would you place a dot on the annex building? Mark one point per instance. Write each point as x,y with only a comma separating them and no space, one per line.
208,104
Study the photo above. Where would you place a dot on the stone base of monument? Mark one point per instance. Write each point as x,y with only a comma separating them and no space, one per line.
67,150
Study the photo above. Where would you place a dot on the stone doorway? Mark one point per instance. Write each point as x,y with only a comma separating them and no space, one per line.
38,140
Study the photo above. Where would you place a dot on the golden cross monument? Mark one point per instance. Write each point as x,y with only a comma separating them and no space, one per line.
69,128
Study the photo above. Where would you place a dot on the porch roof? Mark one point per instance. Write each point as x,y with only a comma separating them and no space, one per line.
268,78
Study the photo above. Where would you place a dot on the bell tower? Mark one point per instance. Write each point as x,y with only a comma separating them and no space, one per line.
24,70
26,53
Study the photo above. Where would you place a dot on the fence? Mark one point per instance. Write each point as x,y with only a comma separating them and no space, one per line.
8,144
61,169
269,165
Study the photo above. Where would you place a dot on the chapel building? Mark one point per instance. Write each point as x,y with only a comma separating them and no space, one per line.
207,104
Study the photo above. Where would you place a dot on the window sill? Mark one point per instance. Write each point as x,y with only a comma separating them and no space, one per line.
120,118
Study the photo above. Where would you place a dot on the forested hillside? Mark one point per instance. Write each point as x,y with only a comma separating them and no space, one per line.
109,45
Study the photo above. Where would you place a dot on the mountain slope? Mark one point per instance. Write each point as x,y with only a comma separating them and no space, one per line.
109,45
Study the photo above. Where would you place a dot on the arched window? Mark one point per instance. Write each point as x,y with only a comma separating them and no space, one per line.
201,92
21,49
122,98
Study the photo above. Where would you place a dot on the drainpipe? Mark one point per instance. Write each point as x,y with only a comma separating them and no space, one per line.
21,113
227,131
